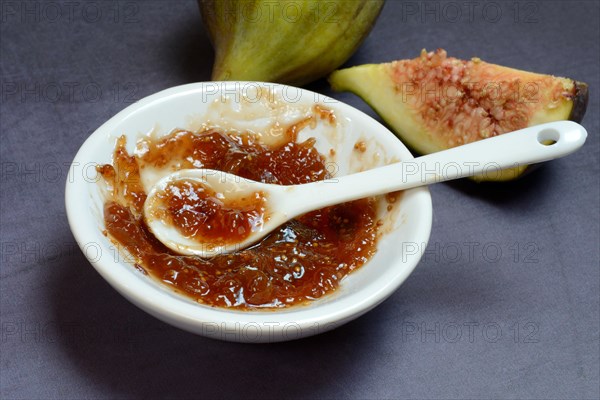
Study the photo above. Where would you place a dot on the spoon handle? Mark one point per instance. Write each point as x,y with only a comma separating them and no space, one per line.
526,146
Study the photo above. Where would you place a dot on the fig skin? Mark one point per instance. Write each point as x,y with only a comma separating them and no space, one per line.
428,126
292,42
580,102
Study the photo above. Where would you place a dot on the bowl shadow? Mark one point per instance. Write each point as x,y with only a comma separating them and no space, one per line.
130,353
524,190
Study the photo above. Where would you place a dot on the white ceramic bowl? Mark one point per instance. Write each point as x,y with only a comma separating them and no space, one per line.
256,107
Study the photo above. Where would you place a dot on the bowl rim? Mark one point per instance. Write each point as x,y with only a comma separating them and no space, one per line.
195,317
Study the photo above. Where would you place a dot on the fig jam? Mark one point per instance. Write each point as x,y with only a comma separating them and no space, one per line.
302,260
200,213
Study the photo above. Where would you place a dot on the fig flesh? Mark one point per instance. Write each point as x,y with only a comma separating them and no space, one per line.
435,102
285,41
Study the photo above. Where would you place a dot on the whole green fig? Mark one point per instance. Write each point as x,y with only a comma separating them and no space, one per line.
285,41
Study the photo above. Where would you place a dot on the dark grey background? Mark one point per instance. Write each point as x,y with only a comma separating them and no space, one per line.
515,318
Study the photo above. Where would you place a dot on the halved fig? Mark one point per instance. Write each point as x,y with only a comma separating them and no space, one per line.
435,102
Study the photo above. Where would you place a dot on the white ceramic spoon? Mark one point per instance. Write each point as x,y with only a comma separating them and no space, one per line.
525,146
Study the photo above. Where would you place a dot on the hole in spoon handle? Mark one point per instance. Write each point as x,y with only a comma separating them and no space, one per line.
558,139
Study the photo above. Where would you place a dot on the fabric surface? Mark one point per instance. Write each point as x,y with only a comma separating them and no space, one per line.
504,304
